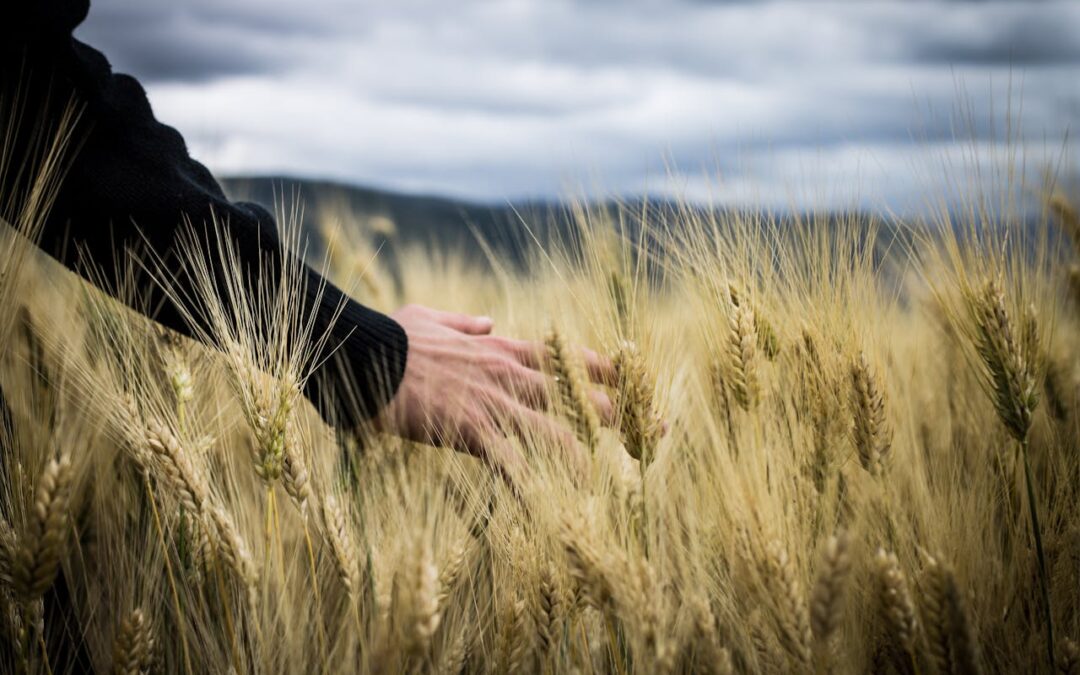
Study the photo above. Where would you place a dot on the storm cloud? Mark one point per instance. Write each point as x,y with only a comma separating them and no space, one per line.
525,98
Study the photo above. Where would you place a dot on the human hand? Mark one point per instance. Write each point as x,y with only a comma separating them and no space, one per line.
467,388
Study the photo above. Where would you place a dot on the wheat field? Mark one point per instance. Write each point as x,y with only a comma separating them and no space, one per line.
844,444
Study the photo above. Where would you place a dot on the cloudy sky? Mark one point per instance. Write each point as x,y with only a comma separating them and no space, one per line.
504,99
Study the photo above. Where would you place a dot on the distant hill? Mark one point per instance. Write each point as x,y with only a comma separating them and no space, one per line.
439,221
447,222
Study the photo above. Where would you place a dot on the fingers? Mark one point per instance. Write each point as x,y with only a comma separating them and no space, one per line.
600,368
534,355
602,402
528,386
539,430
529,354
464,323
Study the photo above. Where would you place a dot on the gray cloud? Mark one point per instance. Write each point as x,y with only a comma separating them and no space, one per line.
502,99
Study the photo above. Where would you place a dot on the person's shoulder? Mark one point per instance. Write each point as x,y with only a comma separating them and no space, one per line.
25,20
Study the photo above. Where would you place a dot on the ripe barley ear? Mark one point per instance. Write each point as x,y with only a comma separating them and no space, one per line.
1011,360
572,389
871,433
638,420
1069,658
343,548
41,546
133,648
895,602
546,612
294,474
951,638
792,615
1008,358
742,357
176,468
827,598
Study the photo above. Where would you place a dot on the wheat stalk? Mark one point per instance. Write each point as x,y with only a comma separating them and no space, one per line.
1008,359
514,641
178,471
339,536
1011,366
768,340
952,644
1069,218
638,420
585,562
1069,658
792,615
235,552
455,656
450,573
546,611
742,356
9,544
421,599
133,649
827,597
294,474
573,390
894,598
37,559
871,433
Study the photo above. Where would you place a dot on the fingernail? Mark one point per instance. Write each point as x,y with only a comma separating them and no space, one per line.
486,321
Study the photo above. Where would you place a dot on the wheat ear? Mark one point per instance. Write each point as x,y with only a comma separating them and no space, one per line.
638,421
1007,357
234,550
871,432
133,648
176,467
450,573
573,390
37,559
546,611
1011,364
294,472
792,615
742,356
422,599
1069,658
952,644
1068,216
826,600
768,340
9,543
338,535
894,596
514,640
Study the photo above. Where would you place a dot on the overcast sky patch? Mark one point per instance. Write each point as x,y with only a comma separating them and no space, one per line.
523,98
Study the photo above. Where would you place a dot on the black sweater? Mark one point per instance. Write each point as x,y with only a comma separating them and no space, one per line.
131,183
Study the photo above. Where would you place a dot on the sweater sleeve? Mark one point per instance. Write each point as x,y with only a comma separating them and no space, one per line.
132,183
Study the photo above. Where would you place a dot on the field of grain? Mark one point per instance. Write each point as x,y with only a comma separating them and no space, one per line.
836,451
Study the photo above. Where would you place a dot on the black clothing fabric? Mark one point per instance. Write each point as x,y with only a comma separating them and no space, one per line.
132,183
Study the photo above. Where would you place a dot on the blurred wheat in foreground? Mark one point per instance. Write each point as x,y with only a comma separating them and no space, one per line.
843,445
